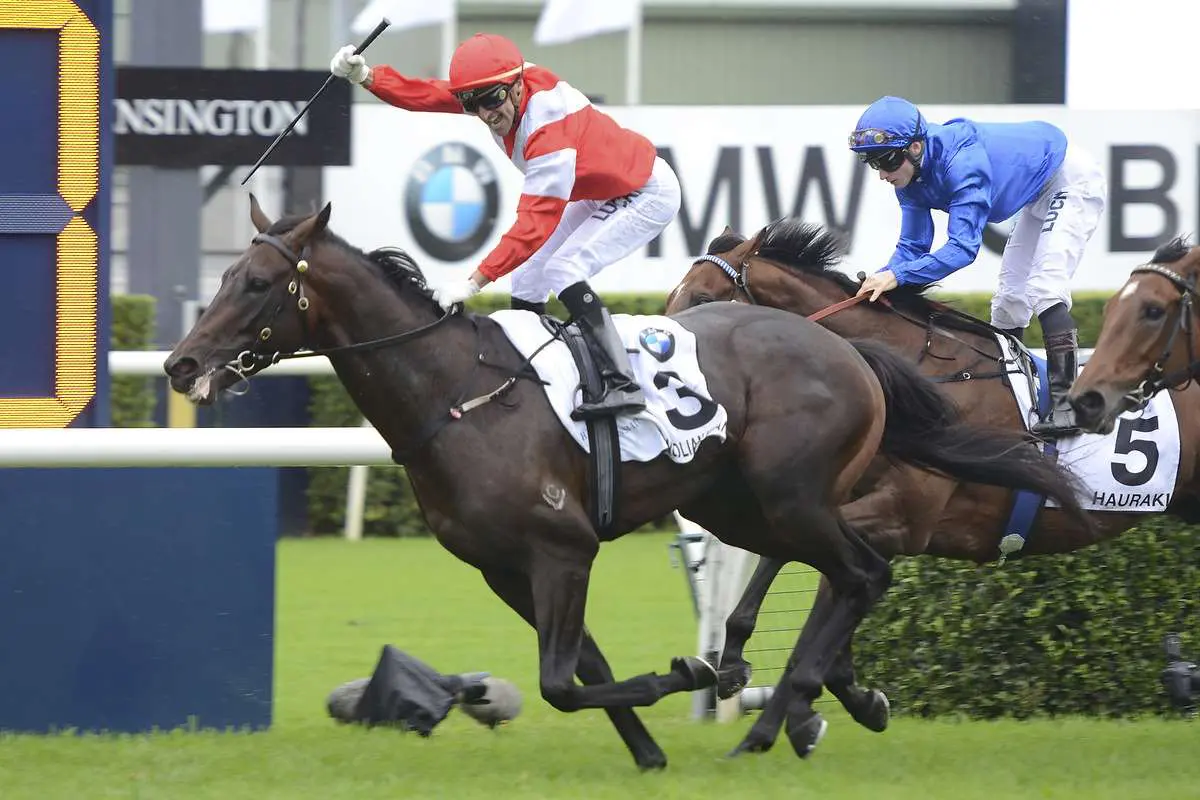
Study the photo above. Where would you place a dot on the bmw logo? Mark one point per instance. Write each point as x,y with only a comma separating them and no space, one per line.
451,201
658,343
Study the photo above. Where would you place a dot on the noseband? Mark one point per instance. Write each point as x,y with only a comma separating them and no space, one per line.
741,279
1157,380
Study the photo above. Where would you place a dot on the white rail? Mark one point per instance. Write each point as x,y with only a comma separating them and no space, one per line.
193,447
149,363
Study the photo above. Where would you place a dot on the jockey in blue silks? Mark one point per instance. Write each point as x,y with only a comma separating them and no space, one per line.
977,173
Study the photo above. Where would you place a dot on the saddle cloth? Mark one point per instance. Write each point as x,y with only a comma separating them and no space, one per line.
1132,469
679,414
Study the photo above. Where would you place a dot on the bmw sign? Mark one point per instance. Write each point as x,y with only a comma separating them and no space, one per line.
451,201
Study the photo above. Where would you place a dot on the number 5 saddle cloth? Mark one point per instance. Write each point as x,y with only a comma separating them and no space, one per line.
1131,469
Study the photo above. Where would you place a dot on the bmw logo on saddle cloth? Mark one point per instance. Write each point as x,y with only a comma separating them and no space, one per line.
451,201
658,343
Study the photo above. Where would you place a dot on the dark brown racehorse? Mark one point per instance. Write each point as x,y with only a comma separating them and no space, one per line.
504,487
794,266
1147,343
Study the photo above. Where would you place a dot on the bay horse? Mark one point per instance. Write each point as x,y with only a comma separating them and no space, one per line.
793,265
505,489
1147,340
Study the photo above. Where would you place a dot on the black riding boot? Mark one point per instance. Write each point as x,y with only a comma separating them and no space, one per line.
1062,364
1016,333
622,395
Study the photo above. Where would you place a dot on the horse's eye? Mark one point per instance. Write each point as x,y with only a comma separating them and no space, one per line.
1153,312
701,299
258,284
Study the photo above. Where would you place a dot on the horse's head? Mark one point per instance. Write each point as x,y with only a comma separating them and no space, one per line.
261,308
1146,341
710,279
762,270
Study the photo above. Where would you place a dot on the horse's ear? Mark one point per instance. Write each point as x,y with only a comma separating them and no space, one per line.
261,223
751,247
728,230
312,227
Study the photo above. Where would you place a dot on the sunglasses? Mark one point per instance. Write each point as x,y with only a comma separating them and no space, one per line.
887,161
488,99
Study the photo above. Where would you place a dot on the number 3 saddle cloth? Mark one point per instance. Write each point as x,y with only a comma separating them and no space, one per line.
680,413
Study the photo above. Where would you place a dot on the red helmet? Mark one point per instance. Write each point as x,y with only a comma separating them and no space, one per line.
484,60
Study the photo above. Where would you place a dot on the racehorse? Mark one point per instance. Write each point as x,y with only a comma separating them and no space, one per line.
793,265
1136,354
504,487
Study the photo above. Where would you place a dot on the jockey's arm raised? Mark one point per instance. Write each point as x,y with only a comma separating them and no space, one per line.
411,94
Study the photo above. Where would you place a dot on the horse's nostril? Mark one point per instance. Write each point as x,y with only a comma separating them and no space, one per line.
181,367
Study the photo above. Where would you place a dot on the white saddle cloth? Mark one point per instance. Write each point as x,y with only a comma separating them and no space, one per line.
679,414
1131,469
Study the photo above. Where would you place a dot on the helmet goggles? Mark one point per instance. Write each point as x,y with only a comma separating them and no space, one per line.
488,98
880,149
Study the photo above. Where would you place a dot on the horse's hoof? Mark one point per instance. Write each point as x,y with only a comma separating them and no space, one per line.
699,673
805,736
751,744
732,679
652,761
877,713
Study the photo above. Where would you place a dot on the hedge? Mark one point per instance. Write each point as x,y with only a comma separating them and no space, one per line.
1079,633
391,509
132,399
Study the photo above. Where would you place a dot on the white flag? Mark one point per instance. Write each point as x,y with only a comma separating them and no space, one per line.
234,16
404,14
567,20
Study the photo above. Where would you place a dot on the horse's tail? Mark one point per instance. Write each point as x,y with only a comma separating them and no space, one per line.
924,429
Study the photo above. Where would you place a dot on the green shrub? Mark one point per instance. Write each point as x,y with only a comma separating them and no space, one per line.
1079,633
132,399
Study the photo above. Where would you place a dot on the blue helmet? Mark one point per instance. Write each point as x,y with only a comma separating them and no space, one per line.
890,123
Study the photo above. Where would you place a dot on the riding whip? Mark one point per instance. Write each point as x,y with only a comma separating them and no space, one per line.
383,23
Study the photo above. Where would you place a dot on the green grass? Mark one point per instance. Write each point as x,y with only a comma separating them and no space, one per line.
340,602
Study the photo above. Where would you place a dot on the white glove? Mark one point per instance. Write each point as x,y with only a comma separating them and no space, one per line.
345,64
456,292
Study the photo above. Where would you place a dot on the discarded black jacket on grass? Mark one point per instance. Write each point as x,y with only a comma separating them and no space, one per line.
408,693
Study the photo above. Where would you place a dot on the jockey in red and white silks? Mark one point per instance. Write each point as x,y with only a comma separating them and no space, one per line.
594,192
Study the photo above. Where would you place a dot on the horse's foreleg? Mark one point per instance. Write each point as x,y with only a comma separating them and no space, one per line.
734,671
559,588
513,588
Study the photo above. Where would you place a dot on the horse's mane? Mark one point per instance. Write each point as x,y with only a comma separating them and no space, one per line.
810,249
1172,251
397,266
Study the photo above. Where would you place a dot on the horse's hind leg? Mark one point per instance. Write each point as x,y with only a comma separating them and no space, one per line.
733,672
592,669
868,707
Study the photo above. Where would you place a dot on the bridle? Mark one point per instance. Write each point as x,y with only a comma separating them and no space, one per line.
1158,379
741,280
253,360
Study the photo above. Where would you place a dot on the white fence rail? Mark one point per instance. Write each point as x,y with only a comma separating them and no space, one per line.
149,363
193,447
